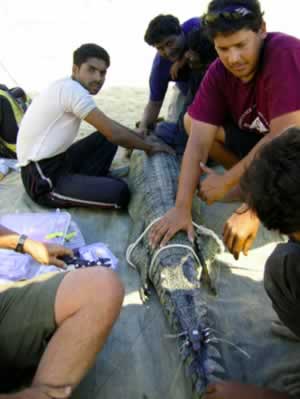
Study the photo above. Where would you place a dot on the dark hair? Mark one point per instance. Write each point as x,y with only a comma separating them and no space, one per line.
90,50
228,25
271,184
160,27
198,41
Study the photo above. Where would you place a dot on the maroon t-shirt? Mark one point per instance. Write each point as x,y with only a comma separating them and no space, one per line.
274,90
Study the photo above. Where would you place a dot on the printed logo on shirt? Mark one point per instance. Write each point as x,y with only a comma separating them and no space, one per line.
253,120
258,125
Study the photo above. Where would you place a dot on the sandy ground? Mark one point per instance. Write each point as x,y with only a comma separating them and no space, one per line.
124,104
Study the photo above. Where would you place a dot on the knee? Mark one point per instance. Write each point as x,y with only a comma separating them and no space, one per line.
96,290
104,297
107,288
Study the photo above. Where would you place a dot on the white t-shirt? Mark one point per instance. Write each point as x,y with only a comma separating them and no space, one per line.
51,123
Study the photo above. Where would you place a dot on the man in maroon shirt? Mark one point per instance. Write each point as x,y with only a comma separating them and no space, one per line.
249,96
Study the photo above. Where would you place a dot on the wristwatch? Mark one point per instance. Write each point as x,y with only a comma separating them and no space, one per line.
20,243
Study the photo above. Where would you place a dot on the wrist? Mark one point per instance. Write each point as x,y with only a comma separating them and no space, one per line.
20,243
245,210
183,207
228,181
27,247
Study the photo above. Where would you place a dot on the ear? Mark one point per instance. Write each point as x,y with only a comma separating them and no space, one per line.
75,70
263,30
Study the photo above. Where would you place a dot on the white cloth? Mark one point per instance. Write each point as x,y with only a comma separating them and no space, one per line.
52,121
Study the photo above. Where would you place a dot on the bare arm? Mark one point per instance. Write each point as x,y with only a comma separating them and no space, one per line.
215,186
47,254
241,228
121,135
179,217
200,140
8,238
150,114
277,127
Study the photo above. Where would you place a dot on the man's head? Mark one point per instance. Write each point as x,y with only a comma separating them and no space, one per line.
201,51
165,34
238,31
90,63
271,184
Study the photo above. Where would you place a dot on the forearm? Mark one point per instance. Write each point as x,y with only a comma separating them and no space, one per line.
8,238
150,114
128,138
115,132
196,152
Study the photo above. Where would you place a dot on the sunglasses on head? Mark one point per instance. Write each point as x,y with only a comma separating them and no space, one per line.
228,13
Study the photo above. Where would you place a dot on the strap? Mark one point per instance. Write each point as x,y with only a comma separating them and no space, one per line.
20,243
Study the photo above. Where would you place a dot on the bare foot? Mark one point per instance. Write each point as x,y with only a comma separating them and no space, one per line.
236,390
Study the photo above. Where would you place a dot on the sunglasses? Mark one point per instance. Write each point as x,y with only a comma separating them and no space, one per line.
235,14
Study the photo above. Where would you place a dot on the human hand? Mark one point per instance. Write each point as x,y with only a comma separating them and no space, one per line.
175,69
213,187
158,146
47,254
176,219
43,392
240,231
177,65
236,390
142,131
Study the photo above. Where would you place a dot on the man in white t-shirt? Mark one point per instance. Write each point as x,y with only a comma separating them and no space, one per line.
58,173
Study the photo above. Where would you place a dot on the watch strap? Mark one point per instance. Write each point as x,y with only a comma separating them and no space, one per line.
20,243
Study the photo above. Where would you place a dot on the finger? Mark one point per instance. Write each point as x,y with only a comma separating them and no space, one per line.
57,262
191,233
202,193
225,231
205,169
248,245
206,197
156,239
58,392
238,246
209,199
167,236
65,251
58,250
156,228
169,150
229,241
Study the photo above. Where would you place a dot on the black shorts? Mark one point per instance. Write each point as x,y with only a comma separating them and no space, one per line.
239,141
27,322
